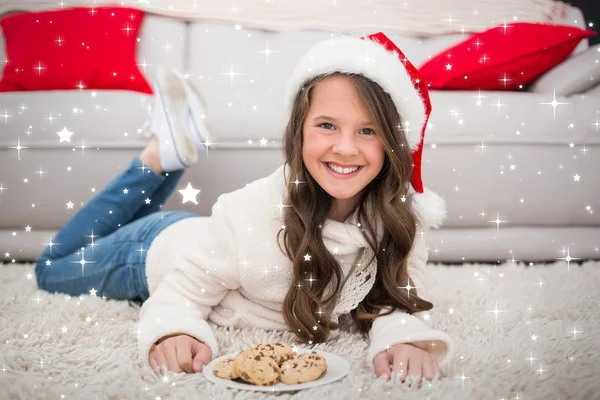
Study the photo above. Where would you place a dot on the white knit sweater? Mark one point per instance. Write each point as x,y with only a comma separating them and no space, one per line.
228,269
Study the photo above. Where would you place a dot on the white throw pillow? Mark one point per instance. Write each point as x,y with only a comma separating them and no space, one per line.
576,74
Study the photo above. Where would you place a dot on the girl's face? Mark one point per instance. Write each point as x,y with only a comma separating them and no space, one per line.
337,130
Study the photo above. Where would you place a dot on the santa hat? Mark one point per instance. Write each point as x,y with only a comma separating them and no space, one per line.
377,58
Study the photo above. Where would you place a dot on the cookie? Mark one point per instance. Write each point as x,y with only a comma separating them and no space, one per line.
225,369
257,369
314,358
277,351
302,368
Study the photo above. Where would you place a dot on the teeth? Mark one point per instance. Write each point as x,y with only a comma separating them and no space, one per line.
342,170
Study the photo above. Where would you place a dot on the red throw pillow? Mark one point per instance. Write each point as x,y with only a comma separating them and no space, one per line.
502,58
74,48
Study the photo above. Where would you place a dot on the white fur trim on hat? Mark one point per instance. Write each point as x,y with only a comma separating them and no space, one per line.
363,56
430,207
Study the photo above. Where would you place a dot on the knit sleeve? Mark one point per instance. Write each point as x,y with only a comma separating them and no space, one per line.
201,276
417,267
401,327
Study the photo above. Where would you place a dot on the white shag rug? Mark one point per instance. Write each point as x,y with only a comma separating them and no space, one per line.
542,343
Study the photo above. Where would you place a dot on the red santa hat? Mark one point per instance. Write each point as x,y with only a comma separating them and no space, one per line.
379,59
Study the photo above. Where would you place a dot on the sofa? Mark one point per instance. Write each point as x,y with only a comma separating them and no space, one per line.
503,161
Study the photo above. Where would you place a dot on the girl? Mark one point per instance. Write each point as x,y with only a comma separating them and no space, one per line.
335,231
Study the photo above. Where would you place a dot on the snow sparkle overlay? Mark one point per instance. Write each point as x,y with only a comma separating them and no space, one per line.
67,121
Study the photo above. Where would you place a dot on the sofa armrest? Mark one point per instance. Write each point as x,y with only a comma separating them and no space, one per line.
576,74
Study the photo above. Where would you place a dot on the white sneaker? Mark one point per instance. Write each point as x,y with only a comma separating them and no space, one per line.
147,132
202,135
170,122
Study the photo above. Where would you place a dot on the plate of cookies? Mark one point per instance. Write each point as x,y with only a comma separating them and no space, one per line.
276,367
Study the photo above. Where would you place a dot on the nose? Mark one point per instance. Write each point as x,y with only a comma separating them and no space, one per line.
345,145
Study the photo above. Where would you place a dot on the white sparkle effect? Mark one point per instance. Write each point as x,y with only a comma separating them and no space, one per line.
498,221
267,52
568,258
232,74
83,261
18,147
554,103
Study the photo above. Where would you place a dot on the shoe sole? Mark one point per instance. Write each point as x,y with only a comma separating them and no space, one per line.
177,131
196,109
200,125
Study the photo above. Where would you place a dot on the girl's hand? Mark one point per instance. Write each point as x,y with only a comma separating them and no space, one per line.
419,362
180,352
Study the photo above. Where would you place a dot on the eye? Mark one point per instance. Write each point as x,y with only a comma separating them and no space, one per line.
368,129
372,131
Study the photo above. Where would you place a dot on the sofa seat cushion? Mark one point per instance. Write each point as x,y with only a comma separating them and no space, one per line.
106,118
473,117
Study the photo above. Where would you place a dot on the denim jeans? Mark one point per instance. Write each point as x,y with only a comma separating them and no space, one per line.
102,249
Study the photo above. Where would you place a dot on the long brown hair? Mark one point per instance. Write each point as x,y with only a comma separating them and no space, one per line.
303,309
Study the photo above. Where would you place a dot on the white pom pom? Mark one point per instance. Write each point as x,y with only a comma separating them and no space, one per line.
430,208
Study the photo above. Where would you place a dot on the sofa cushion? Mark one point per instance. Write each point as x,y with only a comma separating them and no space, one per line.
248,105
163,42
501,118
253,95
73,48
576,74
506,57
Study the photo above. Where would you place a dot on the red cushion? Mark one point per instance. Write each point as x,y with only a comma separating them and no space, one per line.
74,48
520,53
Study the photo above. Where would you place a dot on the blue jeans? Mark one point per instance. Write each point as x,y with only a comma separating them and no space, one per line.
125,224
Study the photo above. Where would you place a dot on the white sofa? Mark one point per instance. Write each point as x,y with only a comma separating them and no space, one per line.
544,209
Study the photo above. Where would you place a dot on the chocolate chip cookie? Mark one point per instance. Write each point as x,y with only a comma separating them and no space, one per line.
257,369
303,368
277,351
314,358
225,369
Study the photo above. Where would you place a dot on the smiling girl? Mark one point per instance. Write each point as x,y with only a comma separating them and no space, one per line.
334,232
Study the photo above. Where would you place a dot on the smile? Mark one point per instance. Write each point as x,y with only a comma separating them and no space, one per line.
339,174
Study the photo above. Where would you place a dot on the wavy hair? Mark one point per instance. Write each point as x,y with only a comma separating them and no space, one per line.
304,309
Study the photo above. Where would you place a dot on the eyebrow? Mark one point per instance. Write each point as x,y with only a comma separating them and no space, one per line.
335,120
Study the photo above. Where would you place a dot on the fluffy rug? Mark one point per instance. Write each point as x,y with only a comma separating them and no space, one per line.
542,343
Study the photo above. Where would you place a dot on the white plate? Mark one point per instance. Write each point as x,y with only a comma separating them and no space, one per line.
337,368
